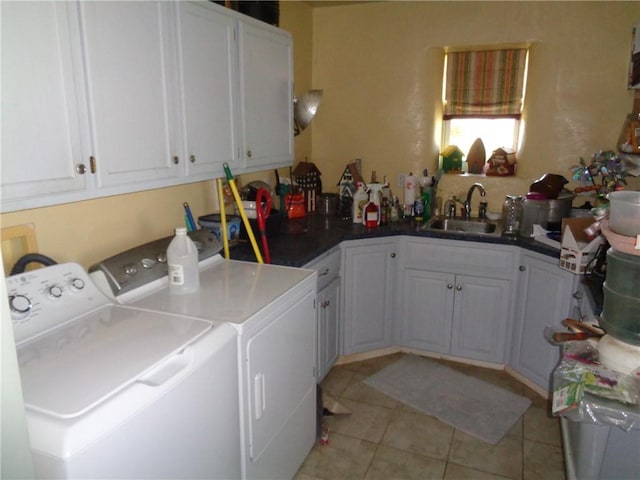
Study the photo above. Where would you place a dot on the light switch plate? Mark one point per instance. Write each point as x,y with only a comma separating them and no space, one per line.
401,178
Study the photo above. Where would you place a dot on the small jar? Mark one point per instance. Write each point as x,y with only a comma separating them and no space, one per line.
512,215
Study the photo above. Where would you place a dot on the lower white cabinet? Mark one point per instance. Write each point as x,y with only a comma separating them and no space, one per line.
328,310
457,298
544,298
328,327
369,275
460,315
482,302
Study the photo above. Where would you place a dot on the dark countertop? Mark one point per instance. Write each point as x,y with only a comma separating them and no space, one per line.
301,240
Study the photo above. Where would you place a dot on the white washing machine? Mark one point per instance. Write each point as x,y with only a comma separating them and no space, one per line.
272,308
117,392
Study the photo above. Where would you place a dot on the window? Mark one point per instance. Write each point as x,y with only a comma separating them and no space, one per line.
483,95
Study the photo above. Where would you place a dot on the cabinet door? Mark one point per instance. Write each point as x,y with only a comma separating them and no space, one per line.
129,56
266,96
427,309
544,298
208,58
328,338
369,277
41,103
480,319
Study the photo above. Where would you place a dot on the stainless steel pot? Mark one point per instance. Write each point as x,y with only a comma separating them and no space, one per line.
559,208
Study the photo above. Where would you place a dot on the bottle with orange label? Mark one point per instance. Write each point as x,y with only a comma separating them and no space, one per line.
371,214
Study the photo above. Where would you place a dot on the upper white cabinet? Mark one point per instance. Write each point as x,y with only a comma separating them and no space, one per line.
208,55
42,103
101,98
129,60
267,96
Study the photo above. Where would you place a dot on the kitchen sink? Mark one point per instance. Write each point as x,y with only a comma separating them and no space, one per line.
473,226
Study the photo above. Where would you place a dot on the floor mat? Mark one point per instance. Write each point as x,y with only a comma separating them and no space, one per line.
474,406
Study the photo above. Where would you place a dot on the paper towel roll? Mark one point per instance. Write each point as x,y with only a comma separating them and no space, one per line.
409,189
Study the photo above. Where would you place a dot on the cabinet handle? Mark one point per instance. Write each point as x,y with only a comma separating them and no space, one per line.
92,164
176,160
458,287
249,153
81,169
449,286
522,268
324,272
393,255
192,159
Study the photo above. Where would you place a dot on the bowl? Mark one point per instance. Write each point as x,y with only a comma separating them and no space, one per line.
249,209
623,273
620,316
624,212
213,223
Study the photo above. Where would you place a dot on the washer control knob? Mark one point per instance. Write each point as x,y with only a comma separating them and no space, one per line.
55,291
76,284
130,269
20,306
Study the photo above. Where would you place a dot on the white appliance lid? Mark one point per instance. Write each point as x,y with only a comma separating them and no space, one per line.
230,291
75,367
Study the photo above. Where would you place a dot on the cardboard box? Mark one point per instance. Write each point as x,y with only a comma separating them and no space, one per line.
577,249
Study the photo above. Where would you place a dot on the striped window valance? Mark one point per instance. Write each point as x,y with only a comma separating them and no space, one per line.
485,83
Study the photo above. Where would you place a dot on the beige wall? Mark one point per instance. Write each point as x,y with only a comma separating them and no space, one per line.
87,232
380,67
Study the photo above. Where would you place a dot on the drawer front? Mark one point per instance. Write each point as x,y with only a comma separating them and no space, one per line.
327,266
461,257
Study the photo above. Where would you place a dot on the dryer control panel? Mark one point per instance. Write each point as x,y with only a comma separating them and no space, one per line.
146,263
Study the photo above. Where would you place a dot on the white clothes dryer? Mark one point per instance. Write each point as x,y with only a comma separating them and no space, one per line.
272,308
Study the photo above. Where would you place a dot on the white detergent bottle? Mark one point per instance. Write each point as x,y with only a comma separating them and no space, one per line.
182,260
360,200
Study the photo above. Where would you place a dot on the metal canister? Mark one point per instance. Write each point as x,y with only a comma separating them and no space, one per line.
327,203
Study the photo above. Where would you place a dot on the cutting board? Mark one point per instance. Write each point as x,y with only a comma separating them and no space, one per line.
476,157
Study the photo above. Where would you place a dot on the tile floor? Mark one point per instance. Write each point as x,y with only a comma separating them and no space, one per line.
385,439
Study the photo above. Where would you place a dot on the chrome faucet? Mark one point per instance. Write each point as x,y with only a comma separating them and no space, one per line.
466,207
